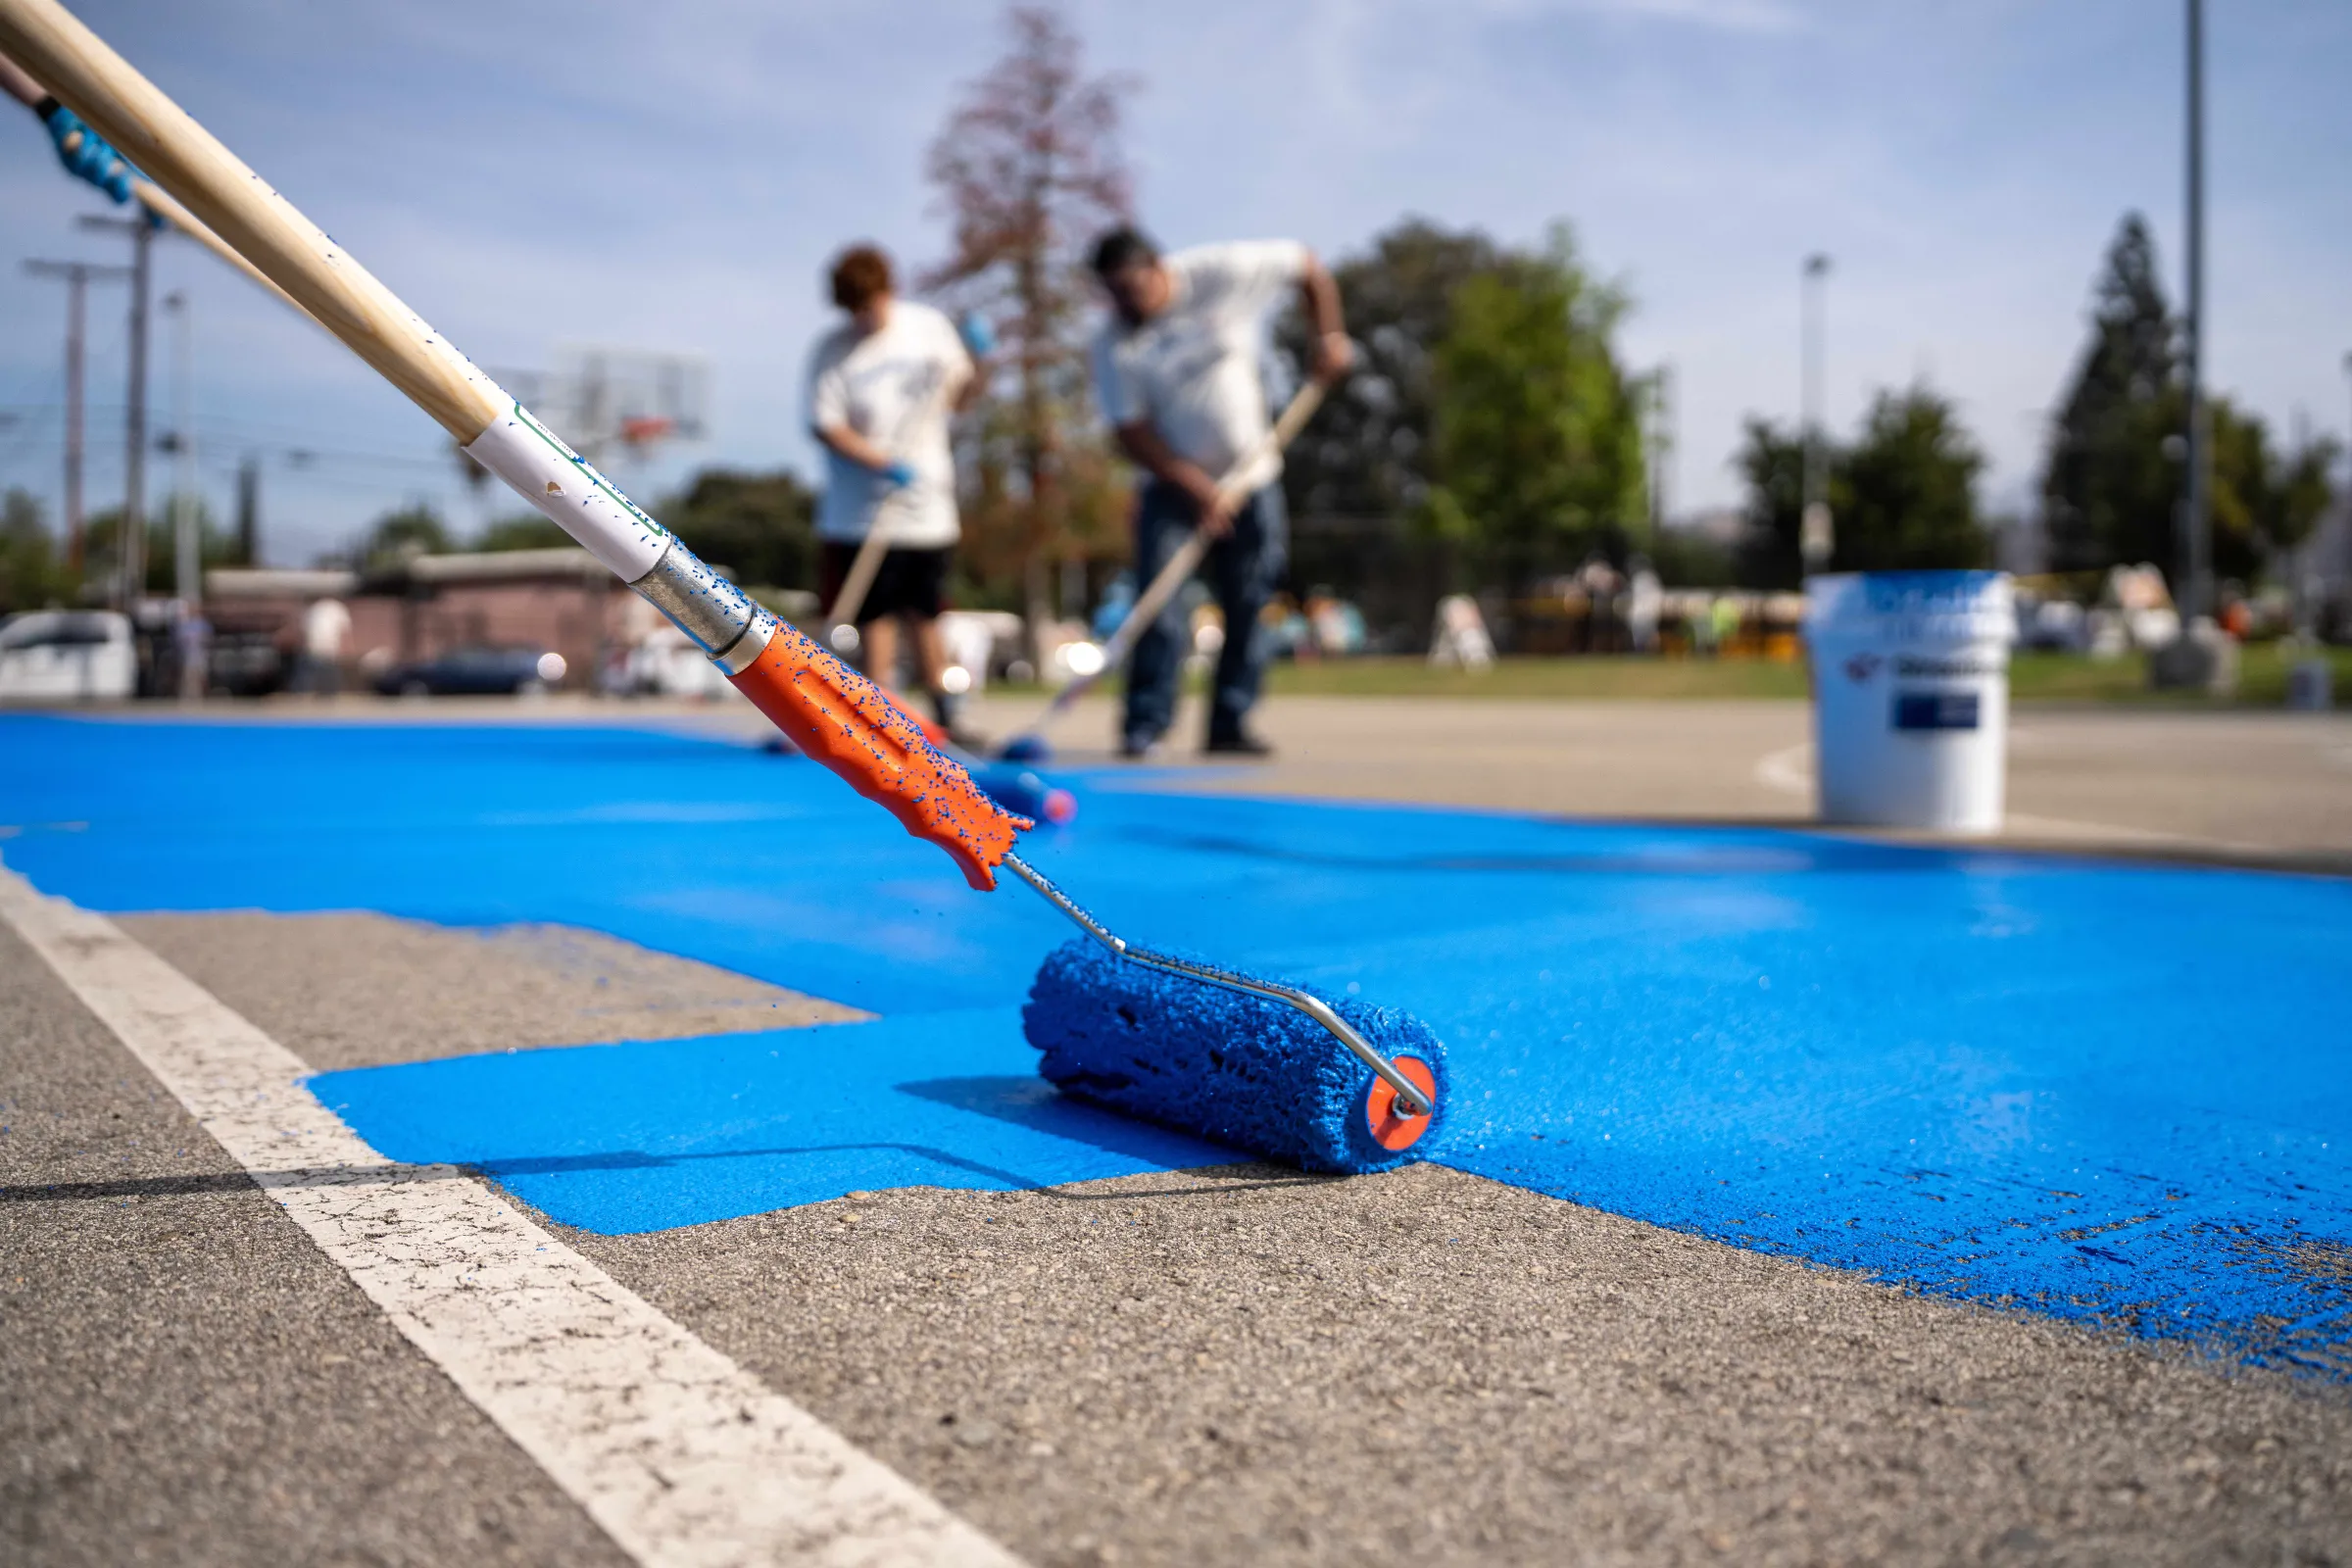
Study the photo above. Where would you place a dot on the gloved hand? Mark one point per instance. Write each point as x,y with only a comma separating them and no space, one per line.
900,475
978,337
87,155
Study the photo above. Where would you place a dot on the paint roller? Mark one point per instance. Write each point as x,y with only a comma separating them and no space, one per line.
1031,745
1325,1081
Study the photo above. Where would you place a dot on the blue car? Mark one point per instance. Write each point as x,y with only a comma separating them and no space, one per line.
477,673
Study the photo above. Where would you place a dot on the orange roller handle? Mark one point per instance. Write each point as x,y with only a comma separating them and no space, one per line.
845,721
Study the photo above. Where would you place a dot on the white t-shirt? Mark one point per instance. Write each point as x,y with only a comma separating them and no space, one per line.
325,626
1193,370
895,389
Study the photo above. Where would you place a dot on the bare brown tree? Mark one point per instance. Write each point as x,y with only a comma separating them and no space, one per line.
1029,168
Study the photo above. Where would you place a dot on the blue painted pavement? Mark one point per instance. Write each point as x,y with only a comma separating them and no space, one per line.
2095,1090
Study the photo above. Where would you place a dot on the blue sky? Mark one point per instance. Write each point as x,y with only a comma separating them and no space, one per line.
673,176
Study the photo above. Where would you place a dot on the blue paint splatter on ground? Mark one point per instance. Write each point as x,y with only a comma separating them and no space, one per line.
2122,1092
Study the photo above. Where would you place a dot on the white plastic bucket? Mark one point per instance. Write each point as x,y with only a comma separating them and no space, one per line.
1911,697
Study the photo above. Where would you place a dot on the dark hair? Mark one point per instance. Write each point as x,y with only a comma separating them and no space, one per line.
1124,247
859,275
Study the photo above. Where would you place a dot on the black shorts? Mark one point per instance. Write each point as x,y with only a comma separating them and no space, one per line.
909,582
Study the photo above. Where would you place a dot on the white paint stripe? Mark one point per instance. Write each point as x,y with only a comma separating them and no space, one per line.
683,1456
1788,769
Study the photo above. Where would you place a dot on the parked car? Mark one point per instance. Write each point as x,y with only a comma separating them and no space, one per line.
63,656
476,672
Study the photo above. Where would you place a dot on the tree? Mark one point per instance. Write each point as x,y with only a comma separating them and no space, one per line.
1029,168
761,526
524,530
32,575
2110,486
1908,498
1773,462
1903,493
1367,453
415,529
1538,445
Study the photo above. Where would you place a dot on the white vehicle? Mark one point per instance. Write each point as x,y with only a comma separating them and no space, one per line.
67,655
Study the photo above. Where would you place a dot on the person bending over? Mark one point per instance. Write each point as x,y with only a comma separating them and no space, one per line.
882,387
1177,373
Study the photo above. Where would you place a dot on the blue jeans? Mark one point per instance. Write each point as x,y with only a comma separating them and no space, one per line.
1242,569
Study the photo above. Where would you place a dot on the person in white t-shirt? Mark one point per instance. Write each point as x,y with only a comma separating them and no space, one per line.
325,629
882,388
1177,370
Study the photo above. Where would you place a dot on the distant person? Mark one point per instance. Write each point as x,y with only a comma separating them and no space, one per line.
1176,370
1644,604
882,387
326,631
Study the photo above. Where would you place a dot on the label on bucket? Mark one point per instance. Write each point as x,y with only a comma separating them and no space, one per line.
1935,710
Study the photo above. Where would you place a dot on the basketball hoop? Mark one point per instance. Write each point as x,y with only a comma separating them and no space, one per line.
643,430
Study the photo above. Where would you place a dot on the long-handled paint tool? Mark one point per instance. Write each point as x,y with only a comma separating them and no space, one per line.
1248,1062
1031,745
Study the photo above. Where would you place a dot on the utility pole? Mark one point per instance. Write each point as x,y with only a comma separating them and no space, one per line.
249,510
186,564
79,276
134,436
1816,534
2197,519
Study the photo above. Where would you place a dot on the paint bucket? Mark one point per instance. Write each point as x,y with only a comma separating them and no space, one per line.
1911,697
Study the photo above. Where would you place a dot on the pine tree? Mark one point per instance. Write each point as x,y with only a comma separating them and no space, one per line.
2109,488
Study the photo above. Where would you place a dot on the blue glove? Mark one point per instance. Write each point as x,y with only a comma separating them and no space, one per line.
901,475
978,337
90,157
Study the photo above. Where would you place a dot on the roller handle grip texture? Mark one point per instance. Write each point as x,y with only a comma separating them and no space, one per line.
846,722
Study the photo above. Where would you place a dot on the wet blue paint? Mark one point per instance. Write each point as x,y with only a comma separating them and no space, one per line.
2090,1089
645,1134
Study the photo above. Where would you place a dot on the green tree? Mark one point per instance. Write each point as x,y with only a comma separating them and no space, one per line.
2110,486
32,575
524,530
1909,489
415,529
1537,438
1367,453
761,526
1902,493
1772,462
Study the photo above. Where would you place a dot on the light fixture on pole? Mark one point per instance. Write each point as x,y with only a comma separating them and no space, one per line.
1816,533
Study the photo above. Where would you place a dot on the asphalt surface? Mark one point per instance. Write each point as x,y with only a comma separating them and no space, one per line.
1233,1365
184,1378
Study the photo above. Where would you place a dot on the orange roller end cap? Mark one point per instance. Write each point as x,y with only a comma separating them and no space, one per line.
1389,1128
845,721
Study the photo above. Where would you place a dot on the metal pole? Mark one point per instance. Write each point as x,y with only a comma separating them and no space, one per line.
2197,519
185,566
77,275
1816,538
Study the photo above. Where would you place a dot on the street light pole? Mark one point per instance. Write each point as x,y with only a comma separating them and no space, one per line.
79,276
2196,522
1816,535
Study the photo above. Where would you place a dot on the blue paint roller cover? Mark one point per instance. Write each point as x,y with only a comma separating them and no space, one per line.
1237,1069
1028,748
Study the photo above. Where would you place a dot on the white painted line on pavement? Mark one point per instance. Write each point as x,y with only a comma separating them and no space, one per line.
683,1456
1791,768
